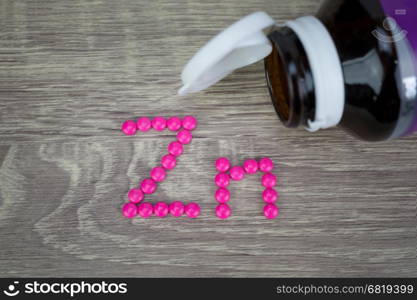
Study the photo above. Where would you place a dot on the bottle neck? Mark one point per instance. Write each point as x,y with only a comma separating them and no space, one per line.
289,78
304,75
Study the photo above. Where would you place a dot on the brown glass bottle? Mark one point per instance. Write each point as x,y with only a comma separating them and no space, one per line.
377,62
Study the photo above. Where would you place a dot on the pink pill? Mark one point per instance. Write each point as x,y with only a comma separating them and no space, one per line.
184,137
189,122
174,123
135,195
266,164
271,211
176,208
270,195
158,174
250,166
144,124
129,210
175,148
222,180
222,195
223,211
222,164
129,127
161,209
192,210
168,161
159,123
148,186
145,210
269,180
237,173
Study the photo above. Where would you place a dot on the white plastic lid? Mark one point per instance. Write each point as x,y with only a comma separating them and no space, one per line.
239,45
244,43
327,71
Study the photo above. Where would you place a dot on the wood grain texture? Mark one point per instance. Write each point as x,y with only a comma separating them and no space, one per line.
72,71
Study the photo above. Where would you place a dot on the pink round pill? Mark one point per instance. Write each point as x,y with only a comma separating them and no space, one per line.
158,174
148,186
161,209
176,208
145,210
250,166
135,195
192,210
174,123
168,161
189,122
222,195
222,164
129,127
129,210
159,123
223,211
144,124
270,195
222,180
175,148
266,164
269,180
237,173
271,211
184,137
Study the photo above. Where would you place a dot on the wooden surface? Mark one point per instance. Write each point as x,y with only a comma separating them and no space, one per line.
72,71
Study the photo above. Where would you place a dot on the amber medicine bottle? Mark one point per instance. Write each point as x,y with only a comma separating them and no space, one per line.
353,64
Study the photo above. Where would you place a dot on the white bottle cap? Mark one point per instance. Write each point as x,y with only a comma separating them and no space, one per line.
239,45
244,43
327,71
